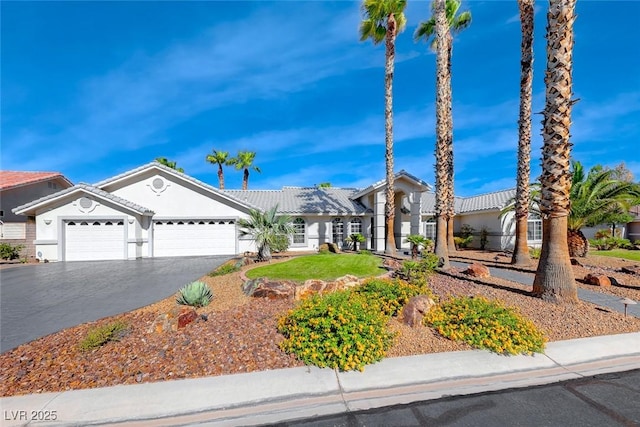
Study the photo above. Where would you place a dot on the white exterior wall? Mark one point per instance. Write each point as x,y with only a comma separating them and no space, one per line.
50,225
500,233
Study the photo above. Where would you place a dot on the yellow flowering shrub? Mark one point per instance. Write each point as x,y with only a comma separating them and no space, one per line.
390,294
339,330
486,324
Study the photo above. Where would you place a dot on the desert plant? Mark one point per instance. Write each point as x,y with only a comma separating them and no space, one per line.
603,233
266,229
224,269
417,241
486,324
484,237
390,294
100,335
534,253
9,251
364,252
354,239
195,294
339,330
413,270
463,242
608,243
280,243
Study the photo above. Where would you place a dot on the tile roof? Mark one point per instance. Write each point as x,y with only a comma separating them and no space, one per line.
304,200
88,189
12,179
160,166
482,202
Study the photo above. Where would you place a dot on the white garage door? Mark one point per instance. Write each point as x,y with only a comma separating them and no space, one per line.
94,240
194,237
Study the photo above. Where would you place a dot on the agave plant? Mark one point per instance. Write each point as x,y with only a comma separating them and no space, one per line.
195,294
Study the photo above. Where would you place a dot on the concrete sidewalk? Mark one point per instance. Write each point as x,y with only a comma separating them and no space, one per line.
289,394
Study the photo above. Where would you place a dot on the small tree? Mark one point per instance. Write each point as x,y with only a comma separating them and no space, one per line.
417,241
266,229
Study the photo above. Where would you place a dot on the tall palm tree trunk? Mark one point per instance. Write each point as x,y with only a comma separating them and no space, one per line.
389,211
245,179
220,177
554,280
521,255
443,101
451,244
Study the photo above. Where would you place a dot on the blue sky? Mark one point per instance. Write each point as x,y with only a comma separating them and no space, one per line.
93,89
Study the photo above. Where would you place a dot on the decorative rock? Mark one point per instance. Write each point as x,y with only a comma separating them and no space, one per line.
597,279
392,264
329,247
314,286
576,262
415,309
477,270
263,288
631,269
186,316
614,281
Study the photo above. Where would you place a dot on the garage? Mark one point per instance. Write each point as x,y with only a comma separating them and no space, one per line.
194,237
87,240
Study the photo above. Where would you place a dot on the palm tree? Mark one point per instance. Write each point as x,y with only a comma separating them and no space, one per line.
265,228
554,279
521,255
220,158
596,197
417,241
427,31
169,163
384,20
244,160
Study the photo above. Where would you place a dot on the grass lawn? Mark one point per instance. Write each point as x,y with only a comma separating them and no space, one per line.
321,266
620,253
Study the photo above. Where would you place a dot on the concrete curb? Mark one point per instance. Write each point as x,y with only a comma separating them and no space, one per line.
288,394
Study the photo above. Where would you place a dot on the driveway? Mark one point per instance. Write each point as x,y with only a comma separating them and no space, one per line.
41,299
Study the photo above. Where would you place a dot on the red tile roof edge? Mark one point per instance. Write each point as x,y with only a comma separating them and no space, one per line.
13,179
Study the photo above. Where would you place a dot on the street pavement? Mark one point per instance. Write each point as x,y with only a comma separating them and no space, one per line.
37,300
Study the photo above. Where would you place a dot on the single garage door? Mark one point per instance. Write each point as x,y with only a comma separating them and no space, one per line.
194,237
94,240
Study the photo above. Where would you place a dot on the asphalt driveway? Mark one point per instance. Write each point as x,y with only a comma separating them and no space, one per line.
37,300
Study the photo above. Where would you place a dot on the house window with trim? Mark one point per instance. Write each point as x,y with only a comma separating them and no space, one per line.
430,229
337,231
299,231
355,226
534,228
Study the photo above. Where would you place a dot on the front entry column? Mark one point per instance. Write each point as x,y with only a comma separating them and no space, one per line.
378,212
416,208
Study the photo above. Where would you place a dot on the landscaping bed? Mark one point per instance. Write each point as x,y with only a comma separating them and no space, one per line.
240,335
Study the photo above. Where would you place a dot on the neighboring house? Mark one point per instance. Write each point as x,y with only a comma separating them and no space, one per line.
18,188
155,211
633,228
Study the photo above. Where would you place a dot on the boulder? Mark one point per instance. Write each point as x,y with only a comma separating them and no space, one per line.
174,319
477,270
415,309
576,262
597,280
186,316
265,288
314,286
329,247
392,264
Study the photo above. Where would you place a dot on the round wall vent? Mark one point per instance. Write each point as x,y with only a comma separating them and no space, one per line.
85,203
157,183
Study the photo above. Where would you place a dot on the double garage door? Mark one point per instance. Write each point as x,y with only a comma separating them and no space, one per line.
95,240
194,237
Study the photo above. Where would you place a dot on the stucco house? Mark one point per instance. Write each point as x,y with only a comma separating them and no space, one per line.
16,189
155,211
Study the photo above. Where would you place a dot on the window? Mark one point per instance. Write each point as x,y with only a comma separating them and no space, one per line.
355,227
299,227
337,230
430,229
534,228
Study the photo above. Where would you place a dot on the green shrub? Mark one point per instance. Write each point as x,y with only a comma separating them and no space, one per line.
339,330
228,268
604,233
486,324
280,243
364,252
195,294
9,251
418,270
534,253
608,243
463,242
100,335
390,294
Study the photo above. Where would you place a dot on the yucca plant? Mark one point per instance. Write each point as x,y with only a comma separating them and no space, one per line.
195,294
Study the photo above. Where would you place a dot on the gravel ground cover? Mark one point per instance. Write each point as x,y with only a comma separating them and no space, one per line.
240,334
